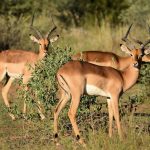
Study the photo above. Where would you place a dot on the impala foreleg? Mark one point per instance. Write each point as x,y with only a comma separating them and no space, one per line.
42,116
40,110
115,108
110,112
25,81
5,90
24,107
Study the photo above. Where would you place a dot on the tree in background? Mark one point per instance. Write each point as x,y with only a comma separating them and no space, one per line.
68,13
91,12
15,18
81,12
25,7
138,12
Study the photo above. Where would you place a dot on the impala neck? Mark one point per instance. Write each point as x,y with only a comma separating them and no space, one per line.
130,76
42,53
124,62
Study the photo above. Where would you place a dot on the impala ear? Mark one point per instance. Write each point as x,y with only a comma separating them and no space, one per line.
125,49
33,38
147,51
54,39
146,58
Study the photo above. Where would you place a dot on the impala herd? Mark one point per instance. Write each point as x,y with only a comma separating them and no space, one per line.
90,72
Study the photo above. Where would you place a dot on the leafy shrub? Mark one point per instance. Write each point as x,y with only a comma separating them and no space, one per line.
144,80
43,85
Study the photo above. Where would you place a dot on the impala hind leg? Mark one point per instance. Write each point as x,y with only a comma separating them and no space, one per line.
5,90
25,81
61,104
72,116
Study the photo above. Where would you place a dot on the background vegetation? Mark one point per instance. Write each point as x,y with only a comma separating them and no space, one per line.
82,25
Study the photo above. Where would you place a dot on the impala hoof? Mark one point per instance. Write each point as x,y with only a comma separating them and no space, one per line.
12,116
81,141
42,117
25,117
58,144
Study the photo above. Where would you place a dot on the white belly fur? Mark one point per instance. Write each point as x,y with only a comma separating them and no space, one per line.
93,90
15,75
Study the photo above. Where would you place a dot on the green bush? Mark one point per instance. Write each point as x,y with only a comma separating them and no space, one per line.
43,85
144,80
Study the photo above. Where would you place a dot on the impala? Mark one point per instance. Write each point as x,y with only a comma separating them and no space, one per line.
21,63
108,58
76,78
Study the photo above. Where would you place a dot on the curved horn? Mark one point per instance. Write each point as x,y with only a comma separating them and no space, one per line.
34,29
143,46
125,38
52,30
147,42
137,41
126,35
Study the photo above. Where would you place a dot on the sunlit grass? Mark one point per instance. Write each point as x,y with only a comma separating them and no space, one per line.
22,134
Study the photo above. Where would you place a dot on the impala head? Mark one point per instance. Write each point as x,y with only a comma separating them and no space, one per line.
43,41
135,53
